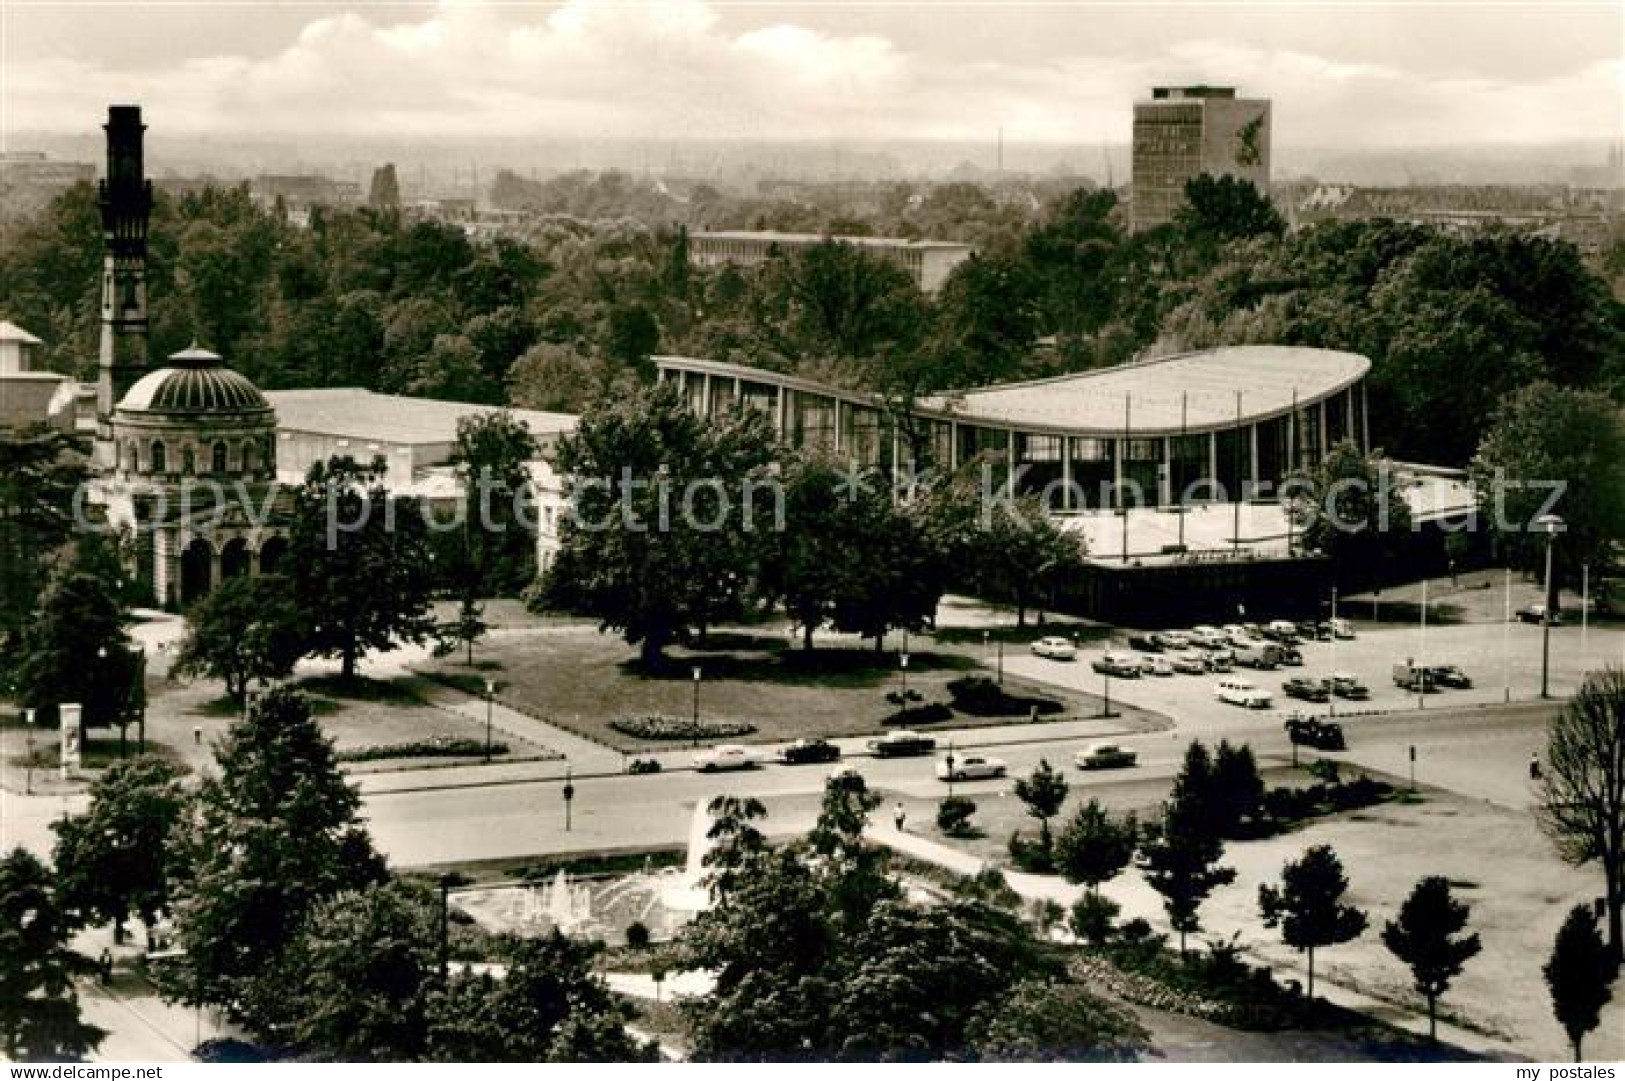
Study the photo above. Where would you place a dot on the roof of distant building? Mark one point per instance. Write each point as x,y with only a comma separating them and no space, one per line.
769,236
360,414
11,332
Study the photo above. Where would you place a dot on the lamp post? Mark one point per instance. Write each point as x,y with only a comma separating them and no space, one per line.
949,762
569,794
490,695
28,719
1001,662
902,661
1551,525
696,705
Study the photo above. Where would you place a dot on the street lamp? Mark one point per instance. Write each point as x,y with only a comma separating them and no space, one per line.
697,705
1551,525
490,694
569,794
949,761
28,719
903,662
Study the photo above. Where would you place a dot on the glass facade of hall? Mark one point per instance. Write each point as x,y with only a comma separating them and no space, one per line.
1072,472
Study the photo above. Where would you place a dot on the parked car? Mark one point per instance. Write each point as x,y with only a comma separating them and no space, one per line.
1120,665
1207,636
1155,664
1287,655
1536,613
1449,675
1313,732
1105,756
1172,640
804,751
1190,663
1342,628
1308,689
1311,631
970,767
1282,630
902,743
1222,660
1144,643
1241,692
1251,653
1055,648
1414,677
726,756
1233,631
1346,685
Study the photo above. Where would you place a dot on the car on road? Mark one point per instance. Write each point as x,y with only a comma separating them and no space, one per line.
902,743
1316,733
1414,677
970,767
1241,692
1105,756
726,756
1120,665
1342,628
1054,648
1536,613
1449,675
1347,685
804,751
1307,688
1155,664
1190,663
1172,640
1207,636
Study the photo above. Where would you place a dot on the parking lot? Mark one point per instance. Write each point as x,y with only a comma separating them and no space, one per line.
1503,661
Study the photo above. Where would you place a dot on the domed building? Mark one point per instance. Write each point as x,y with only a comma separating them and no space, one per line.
193,476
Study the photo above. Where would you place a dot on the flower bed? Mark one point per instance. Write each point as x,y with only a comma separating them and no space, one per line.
426,748
656,726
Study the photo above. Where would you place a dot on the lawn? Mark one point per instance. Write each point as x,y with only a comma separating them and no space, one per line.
582,680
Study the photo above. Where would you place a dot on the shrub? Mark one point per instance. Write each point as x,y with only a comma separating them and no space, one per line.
439,747
1031,856
918,715
903,698
643,765
660,727
1324,769
989,885
1135,930
1093,916
953,816
983,697
637,935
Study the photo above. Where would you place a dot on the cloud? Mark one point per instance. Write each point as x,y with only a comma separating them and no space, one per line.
678,69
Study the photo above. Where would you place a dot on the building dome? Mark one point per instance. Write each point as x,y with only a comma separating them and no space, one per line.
194,383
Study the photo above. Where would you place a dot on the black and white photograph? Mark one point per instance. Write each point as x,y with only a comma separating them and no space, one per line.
649,532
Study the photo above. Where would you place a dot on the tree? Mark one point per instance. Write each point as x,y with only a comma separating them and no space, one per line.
1019,554
1094,847
844,302
39,474
39,1012
469,627
76,650
366,963
1577,976
271,837
492,457
854,871
1582,789
1237,793
1350,509
1192,791
245,630
668,515
1226,208
1309,906
631,335
112,862
549,1007
555,378
1179,859
1043,792
1050,1021
1424,937
359,562
988,312
1544,436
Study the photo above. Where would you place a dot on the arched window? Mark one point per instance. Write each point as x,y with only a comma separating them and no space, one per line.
132,456
219,457
249,455
160,460
188,460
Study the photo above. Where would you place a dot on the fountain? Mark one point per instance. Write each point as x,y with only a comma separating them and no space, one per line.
663,900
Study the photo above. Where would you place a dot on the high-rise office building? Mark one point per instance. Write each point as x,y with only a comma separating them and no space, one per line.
1184,131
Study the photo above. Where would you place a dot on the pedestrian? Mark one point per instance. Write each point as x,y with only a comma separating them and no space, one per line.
899,816
106,965
1534,765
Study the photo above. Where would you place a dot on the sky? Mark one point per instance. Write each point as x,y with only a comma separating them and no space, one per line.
1357,75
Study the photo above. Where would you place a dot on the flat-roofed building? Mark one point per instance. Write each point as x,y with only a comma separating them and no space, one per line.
928,262
1185,131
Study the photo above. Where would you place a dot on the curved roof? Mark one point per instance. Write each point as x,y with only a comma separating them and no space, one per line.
195,382
1196,391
